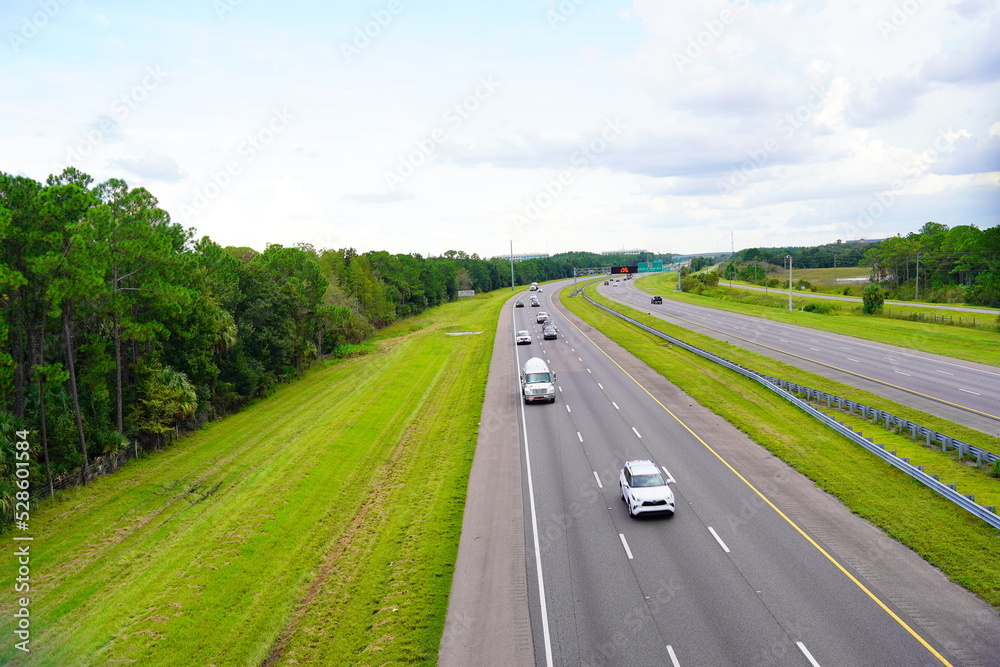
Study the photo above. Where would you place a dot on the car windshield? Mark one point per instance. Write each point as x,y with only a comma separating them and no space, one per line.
654,479
531,378
522,333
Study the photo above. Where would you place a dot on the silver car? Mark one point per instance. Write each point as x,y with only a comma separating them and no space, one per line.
644,490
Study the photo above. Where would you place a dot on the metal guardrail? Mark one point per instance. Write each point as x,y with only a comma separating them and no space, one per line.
949,491
892,422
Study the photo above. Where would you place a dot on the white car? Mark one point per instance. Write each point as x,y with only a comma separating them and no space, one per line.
644,490
523,338
541,317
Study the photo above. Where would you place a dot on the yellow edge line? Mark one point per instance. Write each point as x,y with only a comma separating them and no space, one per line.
801,532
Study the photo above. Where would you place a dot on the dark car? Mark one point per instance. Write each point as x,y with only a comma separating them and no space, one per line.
519,304
656,300
549,332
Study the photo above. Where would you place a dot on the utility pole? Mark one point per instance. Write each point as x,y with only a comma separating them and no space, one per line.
512,265
834,272
732,251
789,282
916,291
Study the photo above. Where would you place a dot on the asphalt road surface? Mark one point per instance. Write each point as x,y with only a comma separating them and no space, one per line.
757,567
964,392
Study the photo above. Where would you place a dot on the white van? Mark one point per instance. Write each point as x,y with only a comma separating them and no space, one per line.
537,381
534,287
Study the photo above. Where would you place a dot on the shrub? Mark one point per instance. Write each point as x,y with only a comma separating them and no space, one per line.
821,308
874,299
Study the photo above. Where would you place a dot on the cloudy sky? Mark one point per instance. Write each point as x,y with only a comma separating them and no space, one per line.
421,126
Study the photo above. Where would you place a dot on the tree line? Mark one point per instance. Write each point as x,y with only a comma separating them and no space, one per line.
118,325
936,263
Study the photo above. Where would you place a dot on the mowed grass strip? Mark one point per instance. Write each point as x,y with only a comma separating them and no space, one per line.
979,345
278,534
962,546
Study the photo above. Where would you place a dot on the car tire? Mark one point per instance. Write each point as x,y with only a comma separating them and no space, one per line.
621,491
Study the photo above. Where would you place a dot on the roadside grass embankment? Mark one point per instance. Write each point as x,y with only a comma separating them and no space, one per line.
980,345
963,547
318,527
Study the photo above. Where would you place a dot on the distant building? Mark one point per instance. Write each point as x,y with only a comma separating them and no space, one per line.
626,252
524,256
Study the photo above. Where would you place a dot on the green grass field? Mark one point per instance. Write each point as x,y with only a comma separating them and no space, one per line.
962,546
320,526
981,345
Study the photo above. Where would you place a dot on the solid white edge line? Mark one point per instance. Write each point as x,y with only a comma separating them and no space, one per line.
599,485
628,551
534,530
670,478
718,539
805,651
636,433
673,656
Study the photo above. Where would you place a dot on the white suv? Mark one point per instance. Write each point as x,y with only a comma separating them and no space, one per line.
644,490
541,317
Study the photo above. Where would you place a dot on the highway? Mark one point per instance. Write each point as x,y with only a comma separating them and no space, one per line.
758,567
961,391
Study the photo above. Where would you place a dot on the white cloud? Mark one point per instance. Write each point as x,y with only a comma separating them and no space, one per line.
807,110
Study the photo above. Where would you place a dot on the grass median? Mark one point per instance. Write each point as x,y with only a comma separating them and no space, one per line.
318,527
980,345
962,546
